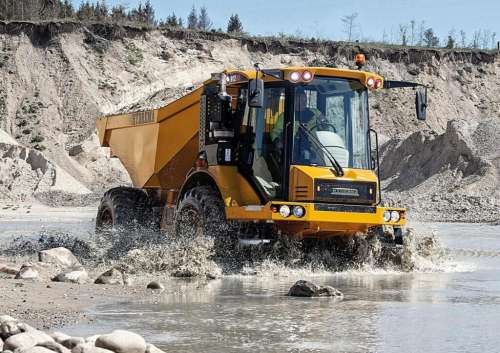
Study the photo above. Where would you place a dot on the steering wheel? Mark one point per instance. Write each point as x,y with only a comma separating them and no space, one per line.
323,122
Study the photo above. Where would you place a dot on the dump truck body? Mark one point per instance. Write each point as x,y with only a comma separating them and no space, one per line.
302,159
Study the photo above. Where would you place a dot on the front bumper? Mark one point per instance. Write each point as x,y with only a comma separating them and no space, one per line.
321,216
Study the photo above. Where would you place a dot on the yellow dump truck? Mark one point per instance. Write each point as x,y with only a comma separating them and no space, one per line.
255,154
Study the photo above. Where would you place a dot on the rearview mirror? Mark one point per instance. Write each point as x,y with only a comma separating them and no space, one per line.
256,93
421,104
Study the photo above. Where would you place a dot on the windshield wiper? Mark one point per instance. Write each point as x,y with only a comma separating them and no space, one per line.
336,165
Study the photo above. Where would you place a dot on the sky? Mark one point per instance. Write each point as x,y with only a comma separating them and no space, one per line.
322,18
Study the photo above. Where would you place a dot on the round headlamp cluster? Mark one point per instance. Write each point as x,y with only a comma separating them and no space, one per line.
392,216
287,211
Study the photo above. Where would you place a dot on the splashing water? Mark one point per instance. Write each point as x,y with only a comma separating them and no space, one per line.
149,251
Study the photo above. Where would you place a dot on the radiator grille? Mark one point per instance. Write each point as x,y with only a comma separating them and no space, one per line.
339,191
302,193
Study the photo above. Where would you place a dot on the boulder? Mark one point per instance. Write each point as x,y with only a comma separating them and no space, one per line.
59,256
308,289
121,341
9,328
155,285
78,276
26,340
111,276
28,272
6,318
55,347
36,349
44,271
59,337
89,348
8,270
150,348
92,339
72,342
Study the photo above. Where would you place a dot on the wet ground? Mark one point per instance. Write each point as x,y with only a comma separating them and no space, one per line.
453,307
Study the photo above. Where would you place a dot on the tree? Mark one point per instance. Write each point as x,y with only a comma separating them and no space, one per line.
413,24
350,25
204,22
403,29
463,39
192,19
430,39
234,25
476,37
148,14
450,44
421,32
118,14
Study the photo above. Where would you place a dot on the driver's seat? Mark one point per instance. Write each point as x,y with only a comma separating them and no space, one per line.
335,145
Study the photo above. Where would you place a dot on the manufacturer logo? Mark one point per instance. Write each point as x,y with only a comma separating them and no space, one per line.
344,192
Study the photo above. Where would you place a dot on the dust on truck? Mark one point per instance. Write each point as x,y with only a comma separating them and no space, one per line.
255,154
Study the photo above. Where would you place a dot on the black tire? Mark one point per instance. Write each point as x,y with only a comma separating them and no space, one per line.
201,213
123,208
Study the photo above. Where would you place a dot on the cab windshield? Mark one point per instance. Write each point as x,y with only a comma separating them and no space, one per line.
331,114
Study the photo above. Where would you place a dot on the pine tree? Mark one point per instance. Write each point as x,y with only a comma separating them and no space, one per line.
148,14
430,39
172,20
234,25
451,43
192,19
118,14
204,22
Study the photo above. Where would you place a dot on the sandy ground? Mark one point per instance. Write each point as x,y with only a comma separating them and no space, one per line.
46,304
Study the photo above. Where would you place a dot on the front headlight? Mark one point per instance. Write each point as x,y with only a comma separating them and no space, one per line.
285,211
387,216
299,211
395,216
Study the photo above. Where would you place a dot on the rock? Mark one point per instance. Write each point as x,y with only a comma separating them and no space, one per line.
155,285
413,70
79,276
121,341
89,348
150,348
72,342
328,291
111,276
28,272
92,339
36,349
75,150
59,256
59,337
8,270
9,328
26,340
4,318
55,347
1,345
309,289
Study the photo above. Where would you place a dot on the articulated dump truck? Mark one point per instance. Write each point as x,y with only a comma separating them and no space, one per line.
256,154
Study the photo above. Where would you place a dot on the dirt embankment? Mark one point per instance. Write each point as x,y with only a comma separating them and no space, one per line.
56,78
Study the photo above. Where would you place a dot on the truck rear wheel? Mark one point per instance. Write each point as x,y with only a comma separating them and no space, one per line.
123,209
201,213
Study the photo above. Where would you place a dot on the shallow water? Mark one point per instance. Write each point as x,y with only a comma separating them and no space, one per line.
453,308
